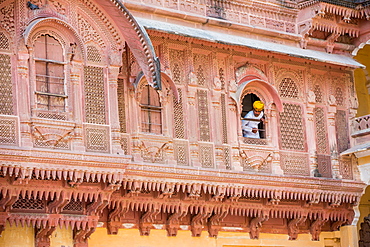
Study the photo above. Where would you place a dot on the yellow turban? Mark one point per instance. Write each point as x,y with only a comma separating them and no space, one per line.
258,105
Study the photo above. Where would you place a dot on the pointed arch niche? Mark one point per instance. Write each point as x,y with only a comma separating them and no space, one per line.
252,86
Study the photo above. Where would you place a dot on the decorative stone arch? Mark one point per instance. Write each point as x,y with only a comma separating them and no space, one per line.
39,27
248,72
136,38
262,89
141,80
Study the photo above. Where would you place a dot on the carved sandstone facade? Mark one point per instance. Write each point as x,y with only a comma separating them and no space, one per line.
127,115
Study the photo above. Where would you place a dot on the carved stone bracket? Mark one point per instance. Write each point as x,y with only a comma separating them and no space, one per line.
81,235
256,224
114,217
197,222
293,227
147,220
3,218
42,236
173,222
43,233
57,205
315,228
214,222
7,201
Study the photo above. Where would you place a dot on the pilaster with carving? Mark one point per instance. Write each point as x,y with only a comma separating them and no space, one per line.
76,85
113,105
311,138
24,94
332,137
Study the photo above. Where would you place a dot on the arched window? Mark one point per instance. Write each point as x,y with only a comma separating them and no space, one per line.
49,66
151,111
252,119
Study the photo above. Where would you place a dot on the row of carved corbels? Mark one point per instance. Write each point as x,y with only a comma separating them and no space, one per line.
234,192
212,214
45,225
22,174
97,196
218,192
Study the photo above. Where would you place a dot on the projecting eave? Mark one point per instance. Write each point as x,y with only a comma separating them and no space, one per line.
360,150
224,38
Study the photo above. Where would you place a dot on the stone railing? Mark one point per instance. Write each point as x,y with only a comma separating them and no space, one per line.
255,13
361,126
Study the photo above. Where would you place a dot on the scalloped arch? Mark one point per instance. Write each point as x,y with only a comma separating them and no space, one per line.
270,93
42,22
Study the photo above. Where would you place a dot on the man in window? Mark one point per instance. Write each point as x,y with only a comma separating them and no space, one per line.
252,119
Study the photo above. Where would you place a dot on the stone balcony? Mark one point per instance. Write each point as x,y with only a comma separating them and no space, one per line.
361,137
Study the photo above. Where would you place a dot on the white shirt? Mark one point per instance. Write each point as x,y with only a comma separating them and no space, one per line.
247,125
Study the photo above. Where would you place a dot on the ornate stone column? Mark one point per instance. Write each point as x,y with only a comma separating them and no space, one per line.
113,72
333,137
311,137
24,107
77,91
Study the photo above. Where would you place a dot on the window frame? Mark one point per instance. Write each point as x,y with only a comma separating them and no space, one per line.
63,78
149,109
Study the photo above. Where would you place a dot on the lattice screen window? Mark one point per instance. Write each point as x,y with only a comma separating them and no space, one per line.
97,139
201,67
176,72
8,131
206,155
295,164
324,165
27,203
181,153
223,118
151,111
4,42
204,132
61,144
221,74
93,54
177,65
121,105
94,90
200,76
49,63
227,157
339,96
291,127
73,206
346,168
318,94
6,85
321,131
341,126
178,116
125,144
288,89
